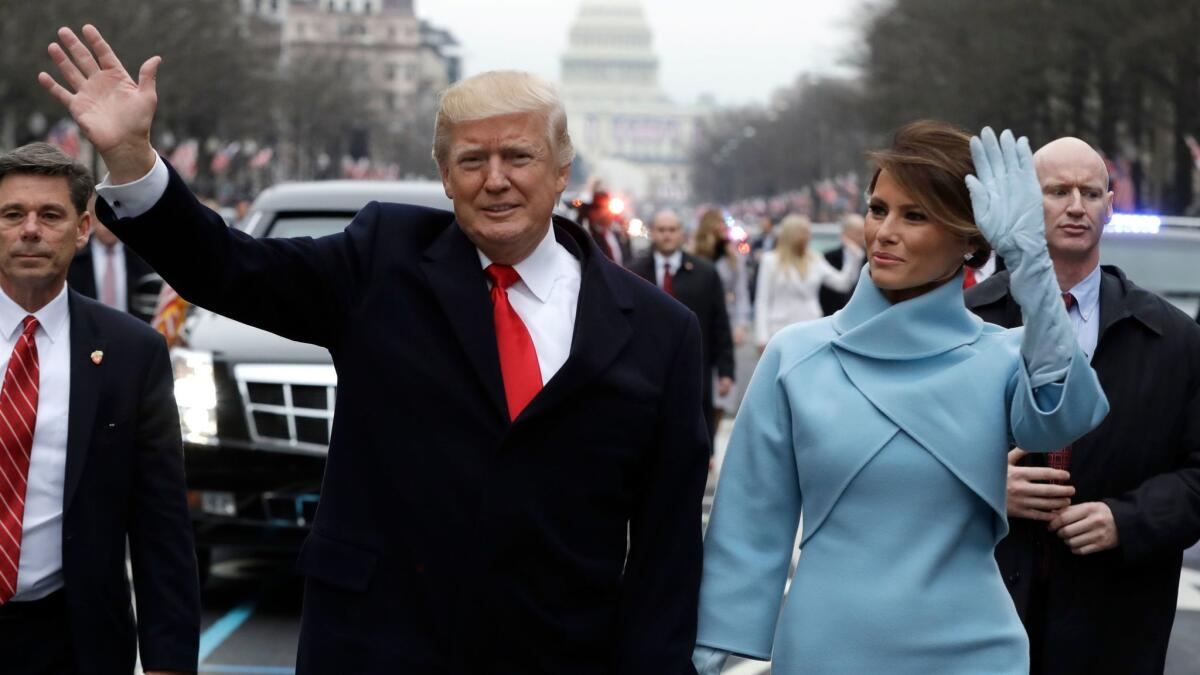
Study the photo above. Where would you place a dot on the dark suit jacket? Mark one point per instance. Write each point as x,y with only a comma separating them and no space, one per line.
622,241
698,286
1111,612
124,478
82,277
449,539
831,300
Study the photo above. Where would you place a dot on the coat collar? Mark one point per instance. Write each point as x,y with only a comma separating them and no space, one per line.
934,323
1120,299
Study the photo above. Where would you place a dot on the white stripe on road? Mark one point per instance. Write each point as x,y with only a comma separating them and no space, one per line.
1189,590
749,668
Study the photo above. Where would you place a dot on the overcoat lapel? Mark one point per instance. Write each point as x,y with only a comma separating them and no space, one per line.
451,265
602,324
86,387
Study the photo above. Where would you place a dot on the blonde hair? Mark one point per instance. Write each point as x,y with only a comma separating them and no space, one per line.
502,92
710,233
791,230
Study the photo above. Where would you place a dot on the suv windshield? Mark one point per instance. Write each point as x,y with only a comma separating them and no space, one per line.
308,225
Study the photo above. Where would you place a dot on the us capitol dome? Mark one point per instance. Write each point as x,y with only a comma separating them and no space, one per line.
624,127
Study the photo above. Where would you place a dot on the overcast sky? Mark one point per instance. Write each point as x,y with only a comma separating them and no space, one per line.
737,50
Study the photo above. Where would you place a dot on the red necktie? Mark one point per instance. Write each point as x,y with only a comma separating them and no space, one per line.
518,358
18,412
969,279
668,280
1061,459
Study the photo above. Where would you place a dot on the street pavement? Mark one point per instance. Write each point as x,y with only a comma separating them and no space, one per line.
252,606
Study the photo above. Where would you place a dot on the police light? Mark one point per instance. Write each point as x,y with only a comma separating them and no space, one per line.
1133,223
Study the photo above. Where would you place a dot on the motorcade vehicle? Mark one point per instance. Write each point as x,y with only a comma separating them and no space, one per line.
256,409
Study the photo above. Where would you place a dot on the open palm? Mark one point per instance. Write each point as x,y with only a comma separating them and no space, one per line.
1005,195
113,111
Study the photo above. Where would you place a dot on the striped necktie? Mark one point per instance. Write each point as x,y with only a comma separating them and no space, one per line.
18,412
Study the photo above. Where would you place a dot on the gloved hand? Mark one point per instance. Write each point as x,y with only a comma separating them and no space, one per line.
708,661
1007,200
1006,196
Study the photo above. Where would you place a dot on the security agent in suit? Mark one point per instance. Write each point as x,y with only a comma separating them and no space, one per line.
852,229
89,271
1095,547
93,461
696,284
529,500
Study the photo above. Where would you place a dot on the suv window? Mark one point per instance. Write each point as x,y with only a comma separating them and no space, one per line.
308,225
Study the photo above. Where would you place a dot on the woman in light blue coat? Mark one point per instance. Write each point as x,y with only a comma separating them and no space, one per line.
890,422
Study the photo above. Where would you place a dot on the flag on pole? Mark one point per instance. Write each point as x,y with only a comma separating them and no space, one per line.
184,158
224,157
65,136
261,158
169,314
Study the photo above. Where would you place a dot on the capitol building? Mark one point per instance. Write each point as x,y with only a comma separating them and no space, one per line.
627,132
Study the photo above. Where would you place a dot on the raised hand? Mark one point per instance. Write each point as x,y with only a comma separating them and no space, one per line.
1005,194
113,111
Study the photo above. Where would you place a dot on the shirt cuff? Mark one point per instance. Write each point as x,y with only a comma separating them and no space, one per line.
131,200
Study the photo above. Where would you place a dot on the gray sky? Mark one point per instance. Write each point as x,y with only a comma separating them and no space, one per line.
738,50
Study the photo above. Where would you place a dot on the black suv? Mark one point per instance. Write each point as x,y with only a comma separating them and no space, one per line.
256,409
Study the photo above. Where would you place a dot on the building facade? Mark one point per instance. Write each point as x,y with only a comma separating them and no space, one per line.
626,130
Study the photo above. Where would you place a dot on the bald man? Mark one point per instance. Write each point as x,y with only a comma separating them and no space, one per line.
695,283
1098,529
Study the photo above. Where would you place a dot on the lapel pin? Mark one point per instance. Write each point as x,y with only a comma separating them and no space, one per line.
97,357
687,266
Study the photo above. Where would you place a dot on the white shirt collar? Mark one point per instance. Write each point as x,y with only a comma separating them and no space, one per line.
52,318
675,260
538,270
1087,294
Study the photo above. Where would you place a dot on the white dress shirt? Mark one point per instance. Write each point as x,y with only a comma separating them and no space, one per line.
546,298
1085,315
100,254
988,269
660,261
614,244
40,569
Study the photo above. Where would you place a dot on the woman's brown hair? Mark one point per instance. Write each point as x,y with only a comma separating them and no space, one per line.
930,160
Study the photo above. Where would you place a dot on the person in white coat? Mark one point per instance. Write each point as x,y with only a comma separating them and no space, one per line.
791,276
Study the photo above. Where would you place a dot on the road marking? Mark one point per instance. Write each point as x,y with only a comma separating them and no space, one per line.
749,668
249,669
1189,590
222,628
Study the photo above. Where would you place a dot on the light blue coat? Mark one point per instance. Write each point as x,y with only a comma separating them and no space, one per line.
891,424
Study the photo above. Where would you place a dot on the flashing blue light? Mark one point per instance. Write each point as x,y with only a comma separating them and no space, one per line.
1134,223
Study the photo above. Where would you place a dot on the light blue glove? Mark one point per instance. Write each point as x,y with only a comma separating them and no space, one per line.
708,661
1007,200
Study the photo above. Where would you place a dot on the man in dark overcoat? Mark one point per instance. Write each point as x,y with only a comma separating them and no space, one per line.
1098,529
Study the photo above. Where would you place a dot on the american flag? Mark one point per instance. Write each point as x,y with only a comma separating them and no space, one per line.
184,157
261,158
223,158
65,136
169,315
